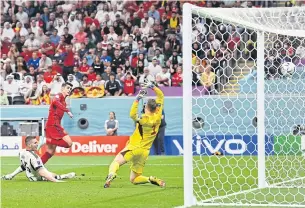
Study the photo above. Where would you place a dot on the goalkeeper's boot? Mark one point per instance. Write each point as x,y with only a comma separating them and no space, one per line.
6,177
68,175
156,181
109,179
42,141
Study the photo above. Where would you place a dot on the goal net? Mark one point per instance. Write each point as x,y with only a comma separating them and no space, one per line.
244,125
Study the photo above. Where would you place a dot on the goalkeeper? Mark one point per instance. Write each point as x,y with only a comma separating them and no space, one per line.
137,149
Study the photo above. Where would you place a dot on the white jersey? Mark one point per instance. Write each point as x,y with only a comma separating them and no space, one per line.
31,162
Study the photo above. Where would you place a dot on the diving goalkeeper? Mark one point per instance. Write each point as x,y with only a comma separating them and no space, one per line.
137,149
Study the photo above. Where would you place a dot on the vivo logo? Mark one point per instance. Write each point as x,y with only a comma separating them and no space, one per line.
202,143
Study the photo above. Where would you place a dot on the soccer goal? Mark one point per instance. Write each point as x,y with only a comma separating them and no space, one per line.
243,126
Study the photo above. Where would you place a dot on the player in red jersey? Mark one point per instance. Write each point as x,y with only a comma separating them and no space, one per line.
55,133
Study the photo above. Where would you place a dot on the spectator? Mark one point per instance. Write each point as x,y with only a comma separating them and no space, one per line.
10,86
56,84
98,82
175,58
85,82
111,125
40,82
73,81
177,78
21,30
44,98
32,43
48,47
207,80
13,54
98,65
129,83
159,57
34,61
68,61
152,51
74,25
107,73
93,35
41,37
80,36
84,67
22,16
119,74
117,61
54,38
67,36
32,96
77,74
7,32
154,68
112,86
32,72
146,75
26,54
44,63
91,74
26,85
105,58
3,97
21,65
154,13
163,77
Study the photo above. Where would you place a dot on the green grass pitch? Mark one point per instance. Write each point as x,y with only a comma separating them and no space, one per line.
214,175
87,191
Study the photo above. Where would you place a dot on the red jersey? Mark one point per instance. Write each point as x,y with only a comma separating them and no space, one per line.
26,55
56,111
48,77
177,80
92,76
69,59
84,68
129,86
49,52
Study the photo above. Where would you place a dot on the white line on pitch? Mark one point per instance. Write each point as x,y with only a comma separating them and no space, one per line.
93,164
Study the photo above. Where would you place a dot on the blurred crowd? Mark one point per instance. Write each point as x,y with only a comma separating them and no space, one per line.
108,48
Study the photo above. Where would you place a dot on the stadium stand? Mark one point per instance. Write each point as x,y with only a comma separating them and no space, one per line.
84,42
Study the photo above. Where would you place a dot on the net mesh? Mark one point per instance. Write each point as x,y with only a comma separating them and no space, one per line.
225,161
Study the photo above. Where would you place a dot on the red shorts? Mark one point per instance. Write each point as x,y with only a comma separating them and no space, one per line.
55,132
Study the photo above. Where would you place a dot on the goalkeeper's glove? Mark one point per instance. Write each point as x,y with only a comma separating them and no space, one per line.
148,84
141,95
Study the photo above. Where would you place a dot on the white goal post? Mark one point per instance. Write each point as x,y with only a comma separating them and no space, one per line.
246,148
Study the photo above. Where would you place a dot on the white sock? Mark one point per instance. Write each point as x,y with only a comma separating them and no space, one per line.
17,171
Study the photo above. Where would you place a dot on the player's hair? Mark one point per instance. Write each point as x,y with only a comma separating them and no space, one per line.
152,105
67,83
28,139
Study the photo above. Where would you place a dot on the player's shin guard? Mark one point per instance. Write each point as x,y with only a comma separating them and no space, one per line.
45,157
141,180
59,142
114,167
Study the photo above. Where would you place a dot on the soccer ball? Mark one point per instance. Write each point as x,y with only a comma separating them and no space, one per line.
287,69
198,123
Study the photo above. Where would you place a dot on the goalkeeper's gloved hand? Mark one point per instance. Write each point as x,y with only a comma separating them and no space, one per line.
148,84
141,95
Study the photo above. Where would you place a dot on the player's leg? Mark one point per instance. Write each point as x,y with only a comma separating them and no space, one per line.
120,159
51,149
137,167
63,176
56,135
10,176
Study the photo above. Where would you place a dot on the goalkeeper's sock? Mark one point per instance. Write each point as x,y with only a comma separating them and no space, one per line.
114,167
59,142
17,171
45,157
141,180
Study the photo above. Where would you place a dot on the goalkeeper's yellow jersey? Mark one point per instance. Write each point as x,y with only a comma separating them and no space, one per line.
147,126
